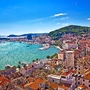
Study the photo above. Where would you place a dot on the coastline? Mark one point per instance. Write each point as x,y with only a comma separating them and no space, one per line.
58,48
20,53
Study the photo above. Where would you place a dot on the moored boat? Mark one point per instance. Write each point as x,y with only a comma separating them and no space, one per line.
45,46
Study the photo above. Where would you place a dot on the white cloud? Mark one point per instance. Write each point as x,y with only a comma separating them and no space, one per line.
65,24
59,14
64,18
58,23
36,20
40,22
88,19
46,18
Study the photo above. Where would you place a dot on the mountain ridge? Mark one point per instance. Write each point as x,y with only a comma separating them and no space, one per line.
72,29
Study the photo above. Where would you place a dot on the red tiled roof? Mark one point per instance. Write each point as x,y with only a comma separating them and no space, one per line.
70,42
64,86
35,85
67,73
53,85
3,80
87,76
82,86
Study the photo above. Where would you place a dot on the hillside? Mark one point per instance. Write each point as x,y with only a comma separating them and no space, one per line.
73,29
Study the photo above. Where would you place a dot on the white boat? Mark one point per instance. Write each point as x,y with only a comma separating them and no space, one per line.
45,46
58,47
7,65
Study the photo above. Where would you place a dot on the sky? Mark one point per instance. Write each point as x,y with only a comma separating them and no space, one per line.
42,16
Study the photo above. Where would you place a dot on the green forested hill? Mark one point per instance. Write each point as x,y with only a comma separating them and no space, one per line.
78,30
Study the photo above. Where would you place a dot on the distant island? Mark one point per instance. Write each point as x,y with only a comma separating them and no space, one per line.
32,34
72,29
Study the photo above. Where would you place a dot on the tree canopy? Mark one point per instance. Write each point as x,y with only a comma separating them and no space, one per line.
73,29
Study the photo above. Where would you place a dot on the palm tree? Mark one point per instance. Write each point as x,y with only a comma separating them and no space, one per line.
37,59
19,66
33,60
24,65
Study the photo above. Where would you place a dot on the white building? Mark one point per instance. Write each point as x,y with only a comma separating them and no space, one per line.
54,78
65,81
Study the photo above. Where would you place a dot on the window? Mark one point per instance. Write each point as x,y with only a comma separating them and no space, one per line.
83,80
78,82
63,77
89,85
53,80
72,75
78,72
89,80
78,78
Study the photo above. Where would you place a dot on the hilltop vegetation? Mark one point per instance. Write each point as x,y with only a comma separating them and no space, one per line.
73,29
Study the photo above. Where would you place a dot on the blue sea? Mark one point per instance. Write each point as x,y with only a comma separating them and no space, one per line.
13,52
